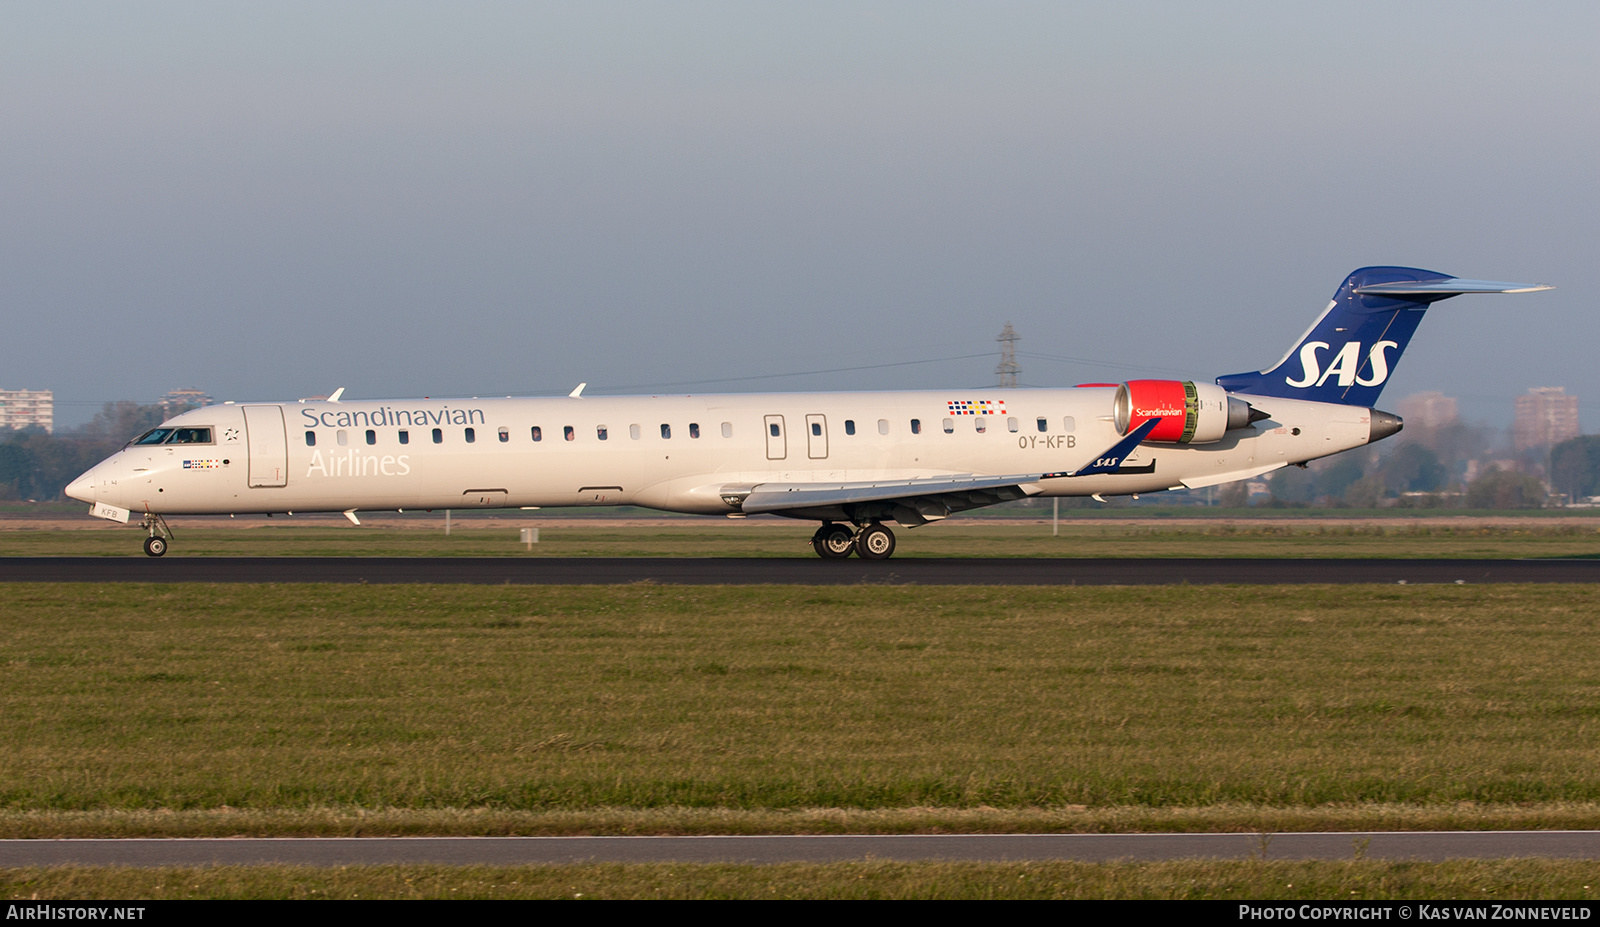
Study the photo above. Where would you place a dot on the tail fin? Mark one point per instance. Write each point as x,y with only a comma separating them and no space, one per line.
1349,352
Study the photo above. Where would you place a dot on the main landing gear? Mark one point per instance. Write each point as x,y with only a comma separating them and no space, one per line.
160,532
836,542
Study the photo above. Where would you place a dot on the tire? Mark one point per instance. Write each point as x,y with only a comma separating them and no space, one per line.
875,542
155,547
833,542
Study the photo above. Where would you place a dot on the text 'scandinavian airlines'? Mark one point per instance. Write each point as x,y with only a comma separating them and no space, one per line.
848,460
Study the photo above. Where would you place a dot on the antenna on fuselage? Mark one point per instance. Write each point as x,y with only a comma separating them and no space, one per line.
577,393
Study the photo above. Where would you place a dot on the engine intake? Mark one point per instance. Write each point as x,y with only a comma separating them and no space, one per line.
1190,412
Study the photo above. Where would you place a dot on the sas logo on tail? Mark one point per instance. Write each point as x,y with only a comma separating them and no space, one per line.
1346,364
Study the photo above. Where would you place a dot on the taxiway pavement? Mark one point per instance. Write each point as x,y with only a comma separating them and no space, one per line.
513,851
798,571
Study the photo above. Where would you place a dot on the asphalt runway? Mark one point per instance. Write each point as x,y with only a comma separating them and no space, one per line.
799,571
513,851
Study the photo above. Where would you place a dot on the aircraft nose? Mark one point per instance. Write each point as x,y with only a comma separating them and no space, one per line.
82,488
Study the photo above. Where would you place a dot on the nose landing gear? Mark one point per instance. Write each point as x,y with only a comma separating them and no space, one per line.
836,542
160,532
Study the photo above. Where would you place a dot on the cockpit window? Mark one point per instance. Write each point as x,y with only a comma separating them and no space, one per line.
153,436
191,436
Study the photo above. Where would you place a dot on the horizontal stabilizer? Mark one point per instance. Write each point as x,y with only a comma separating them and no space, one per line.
1450,286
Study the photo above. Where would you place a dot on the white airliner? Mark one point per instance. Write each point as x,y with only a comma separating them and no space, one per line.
848,460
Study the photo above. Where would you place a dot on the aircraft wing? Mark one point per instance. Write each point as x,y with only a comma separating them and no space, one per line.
778,497
919,501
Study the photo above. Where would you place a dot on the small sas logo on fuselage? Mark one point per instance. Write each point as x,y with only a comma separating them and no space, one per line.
201,464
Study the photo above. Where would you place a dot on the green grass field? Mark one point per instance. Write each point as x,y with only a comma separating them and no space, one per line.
131,710
1356,880
1571,537
532,700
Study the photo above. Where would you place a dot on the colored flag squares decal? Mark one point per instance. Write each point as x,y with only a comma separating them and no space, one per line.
977,407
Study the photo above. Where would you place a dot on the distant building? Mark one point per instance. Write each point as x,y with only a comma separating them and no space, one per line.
20,408
1545,416
1428,410
188,396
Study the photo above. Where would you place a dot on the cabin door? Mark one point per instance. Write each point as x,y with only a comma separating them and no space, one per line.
269,448
777,442
817,437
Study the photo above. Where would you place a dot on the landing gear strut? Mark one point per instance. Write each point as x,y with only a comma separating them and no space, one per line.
836,542
160,532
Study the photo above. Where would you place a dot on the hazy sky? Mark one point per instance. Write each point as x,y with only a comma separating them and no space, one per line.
272,200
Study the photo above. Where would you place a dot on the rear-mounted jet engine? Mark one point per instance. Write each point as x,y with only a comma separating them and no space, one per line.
1190,413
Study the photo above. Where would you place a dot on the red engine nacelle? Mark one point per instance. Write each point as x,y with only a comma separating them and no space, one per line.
1190,413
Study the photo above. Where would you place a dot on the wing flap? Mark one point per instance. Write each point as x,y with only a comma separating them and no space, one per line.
778,497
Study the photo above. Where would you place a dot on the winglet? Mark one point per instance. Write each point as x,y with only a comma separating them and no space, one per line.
336,394
577,393
1109,461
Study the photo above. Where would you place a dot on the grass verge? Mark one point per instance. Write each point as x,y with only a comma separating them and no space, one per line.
1482,881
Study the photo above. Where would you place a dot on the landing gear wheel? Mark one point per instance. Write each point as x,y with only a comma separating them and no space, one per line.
833,542
875,542
155,547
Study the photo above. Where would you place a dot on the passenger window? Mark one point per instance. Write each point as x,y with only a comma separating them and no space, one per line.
666,430
849,426
600,432
1070,423
916,426
538,433
311,439
405,437
341,437
949,426
883,426
438,436
567,430
727,429
633,432
1044,425
981,423
1011,425
816,429
372,436
505,435
472,435
774,427
694,430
